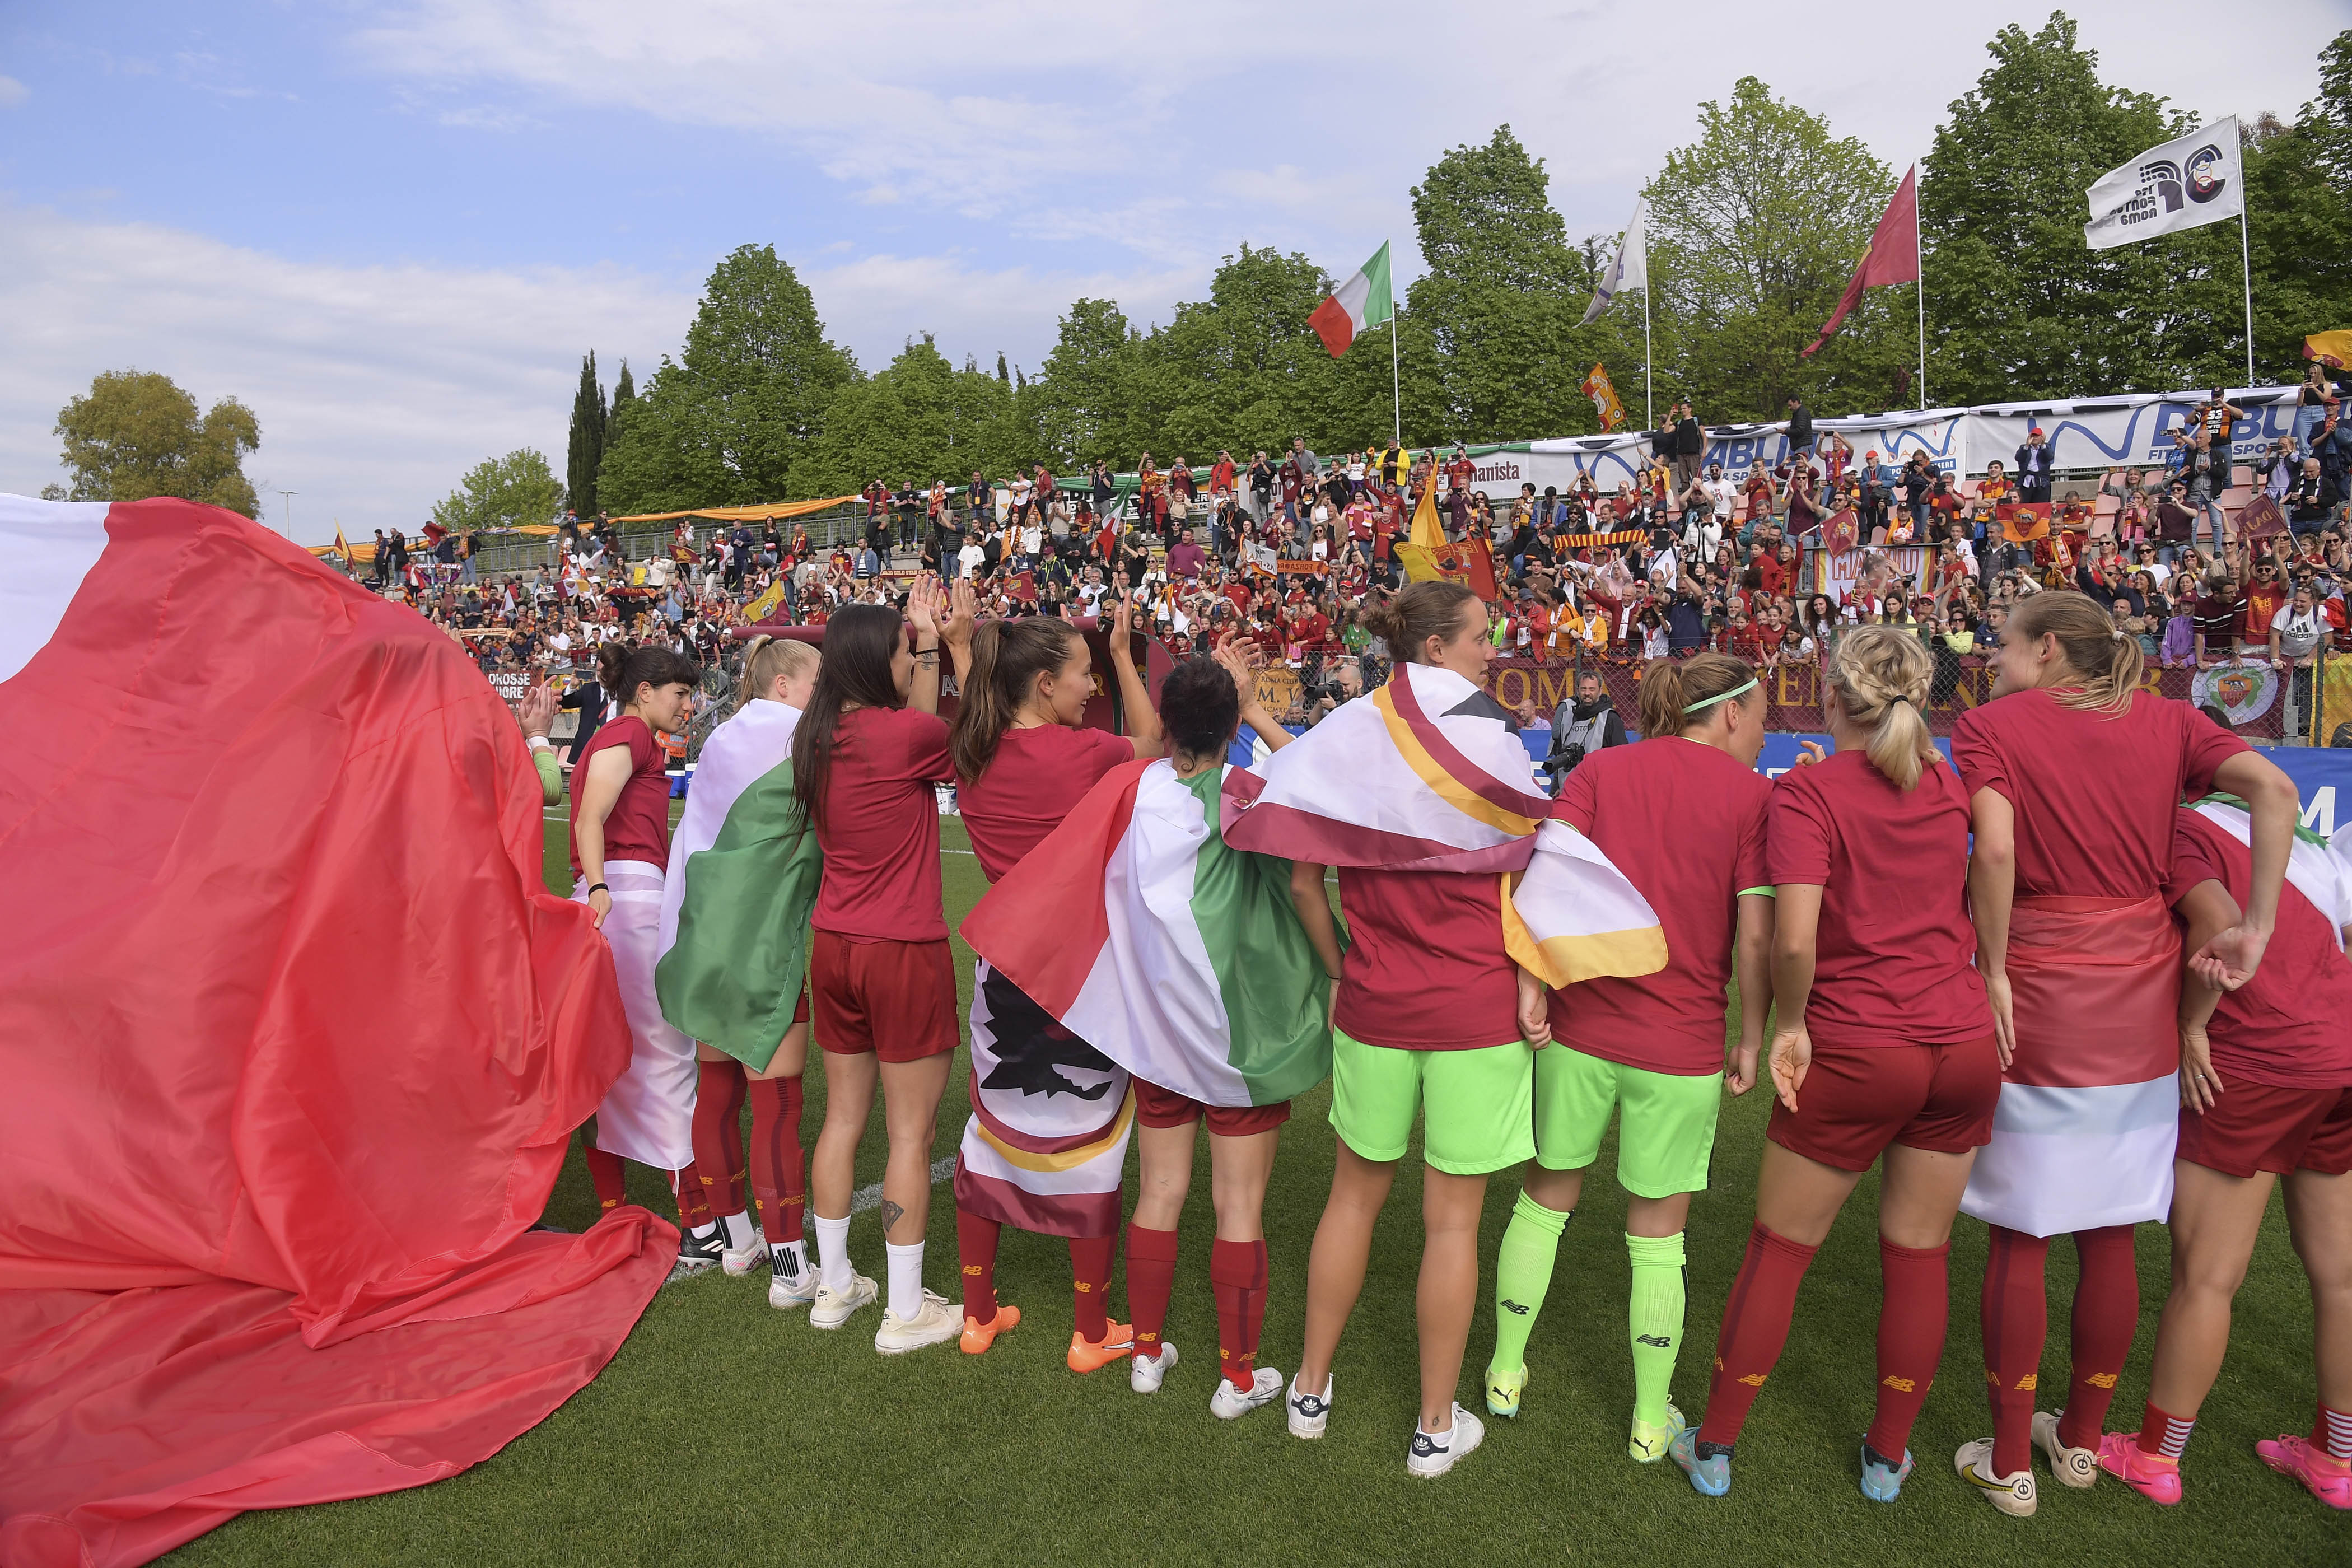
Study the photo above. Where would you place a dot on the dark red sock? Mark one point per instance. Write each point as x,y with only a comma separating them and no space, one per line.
1237,1276
2016,1320
1151,1278
2331,1432
1755,1327
2163,1433
1090,1261
718,1110
976,1238
1913,1302
730,1141
605,1174
777,1176
693,1198
2107,1312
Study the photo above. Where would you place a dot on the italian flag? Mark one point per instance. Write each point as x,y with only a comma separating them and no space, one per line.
1137,929
742,878
1363,301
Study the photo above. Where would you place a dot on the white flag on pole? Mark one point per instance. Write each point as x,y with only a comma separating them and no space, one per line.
1630,270
2184,183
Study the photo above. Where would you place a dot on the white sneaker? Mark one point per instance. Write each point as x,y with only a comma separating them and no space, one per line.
2013,1495
786,1292
1309,1413
832,1309
1144,1373
739,1262
935,1323
2076,1468
1431,1457
1230,1404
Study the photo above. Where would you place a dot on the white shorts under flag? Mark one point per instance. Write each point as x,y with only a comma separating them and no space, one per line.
648,1113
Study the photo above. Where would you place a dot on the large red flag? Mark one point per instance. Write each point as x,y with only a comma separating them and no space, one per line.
294,1038
1893,255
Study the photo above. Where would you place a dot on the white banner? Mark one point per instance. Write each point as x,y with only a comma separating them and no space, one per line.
2132,430
2184,183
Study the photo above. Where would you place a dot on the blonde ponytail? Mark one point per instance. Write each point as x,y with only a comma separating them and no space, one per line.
1881,675
2106,664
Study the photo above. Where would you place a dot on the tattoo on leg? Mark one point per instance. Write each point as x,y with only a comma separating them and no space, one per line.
891,1213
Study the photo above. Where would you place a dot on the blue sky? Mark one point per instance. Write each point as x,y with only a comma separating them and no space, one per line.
392,229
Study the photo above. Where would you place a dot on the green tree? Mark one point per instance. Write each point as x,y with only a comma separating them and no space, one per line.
2017,307
1500,301
1754,230
1241,369
135,435
590,416
735,418
500,492
1086,387
916,420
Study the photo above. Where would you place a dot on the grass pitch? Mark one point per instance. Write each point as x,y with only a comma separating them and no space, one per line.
724,1432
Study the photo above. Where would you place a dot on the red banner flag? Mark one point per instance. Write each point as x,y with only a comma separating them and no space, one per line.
1893,255
2025,522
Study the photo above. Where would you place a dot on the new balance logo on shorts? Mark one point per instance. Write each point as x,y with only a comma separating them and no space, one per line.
1511,1306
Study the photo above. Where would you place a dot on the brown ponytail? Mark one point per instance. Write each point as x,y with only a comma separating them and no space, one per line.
1880,675
2108,663
1007,657
610,658
1423,610
1671,687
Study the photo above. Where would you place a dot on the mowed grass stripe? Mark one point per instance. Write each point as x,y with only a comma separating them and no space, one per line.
724,1432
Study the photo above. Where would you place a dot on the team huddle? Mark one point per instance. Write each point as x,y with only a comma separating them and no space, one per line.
2087,974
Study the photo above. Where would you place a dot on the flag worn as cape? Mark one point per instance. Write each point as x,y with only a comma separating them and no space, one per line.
1176,956
2316,866
742,878
1427,774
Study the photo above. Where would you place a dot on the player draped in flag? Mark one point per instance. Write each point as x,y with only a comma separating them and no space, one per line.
1882,1044
1051,1116
1682,815
2266,1094
2074,774
734,970
1140,932
866,759
1423,795
620,857
1282,955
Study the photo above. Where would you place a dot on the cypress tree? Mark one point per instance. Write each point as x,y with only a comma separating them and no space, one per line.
586,452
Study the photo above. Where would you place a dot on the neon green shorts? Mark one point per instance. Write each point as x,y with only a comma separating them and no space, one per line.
1665,1138
1476,1107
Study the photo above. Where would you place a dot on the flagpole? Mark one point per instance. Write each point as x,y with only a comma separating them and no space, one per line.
1649,401
2246,259
1396,385
1919,273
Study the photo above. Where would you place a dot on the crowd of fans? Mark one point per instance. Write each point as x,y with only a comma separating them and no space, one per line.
1287,550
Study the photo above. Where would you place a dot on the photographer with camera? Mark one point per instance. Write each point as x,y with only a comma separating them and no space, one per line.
1581,726
1321,689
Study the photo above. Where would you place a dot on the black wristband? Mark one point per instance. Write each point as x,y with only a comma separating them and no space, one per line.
598,888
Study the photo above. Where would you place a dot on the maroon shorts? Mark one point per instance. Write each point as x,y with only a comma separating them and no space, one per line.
800,1007
1158,1106
1857,1100
896,999
2259,1127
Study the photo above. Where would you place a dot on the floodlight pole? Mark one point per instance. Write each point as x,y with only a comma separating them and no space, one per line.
1396,381
287,514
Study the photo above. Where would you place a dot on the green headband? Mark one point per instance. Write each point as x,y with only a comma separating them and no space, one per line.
1721,697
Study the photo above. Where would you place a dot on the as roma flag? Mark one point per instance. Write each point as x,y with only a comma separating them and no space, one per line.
1842,531
1470,564
294,1037
2021,523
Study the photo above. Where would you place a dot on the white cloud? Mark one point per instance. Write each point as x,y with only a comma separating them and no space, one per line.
12,93
1107,119
377,386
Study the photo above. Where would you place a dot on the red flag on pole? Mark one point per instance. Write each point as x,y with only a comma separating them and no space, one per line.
1893,256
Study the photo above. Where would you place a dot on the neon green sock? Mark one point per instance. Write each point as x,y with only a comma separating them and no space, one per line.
1653,1320
1522,1275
